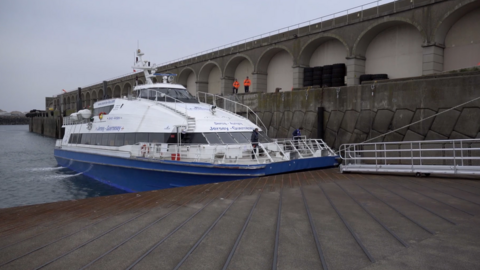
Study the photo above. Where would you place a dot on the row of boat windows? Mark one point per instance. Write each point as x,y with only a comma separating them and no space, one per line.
106,110
120,139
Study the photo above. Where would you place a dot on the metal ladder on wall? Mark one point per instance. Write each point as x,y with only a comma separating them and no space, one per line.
417,157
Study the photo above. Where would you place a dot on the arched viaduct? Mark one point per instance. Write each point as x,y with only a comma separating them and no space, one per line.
405,38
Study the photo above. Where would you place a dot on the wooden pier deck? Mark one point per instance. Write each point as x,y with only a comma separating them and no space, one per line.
308,220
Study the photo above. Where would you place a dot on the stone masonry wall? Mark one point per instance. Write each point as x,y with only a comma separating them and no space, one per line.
356,113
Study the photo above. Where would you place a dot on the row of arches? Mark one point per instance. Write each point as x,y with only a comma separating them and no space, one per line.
395,46
91,96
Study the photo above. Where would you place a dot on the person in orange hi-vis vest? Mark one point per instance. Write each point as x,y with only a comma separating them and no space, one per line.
236,85
246,84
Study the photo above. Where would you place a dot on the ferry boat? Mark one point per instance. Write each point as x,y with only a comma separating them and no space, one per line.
161,137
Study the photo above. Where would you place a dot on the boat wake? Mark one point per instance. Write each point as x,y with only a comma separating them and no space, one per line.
44,169
62,176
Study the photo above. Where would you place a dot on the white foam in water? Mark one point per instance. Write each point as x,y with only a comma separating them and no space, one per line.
44,169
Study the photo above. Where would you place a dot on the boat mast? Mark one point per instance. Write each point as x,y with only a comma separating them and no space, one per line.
148,69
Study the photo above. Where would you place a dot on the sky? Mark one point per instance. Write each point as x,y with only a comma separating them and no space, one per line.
50,45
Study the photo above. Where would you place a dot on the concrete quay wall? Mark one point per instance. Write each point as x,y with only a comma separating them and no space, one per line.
354,114
46,126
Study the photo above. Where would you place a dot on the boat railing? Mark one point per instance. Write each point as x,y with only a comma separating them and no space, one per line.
68,121
231,106
263,153
166,98
418,157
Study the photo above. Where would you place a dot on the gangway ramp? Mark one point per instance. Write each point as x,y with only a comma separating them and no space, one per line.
457,157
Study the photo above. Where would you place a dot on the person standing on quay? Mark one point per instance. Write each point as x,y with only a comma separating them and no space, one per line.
236,85
246,84
254,140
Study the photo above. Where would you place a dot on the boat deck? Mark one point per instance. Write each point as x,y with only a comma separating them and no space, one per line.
317,219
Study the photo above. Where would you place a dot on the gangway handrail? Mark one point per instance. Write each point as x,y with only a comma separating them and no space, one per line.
257,118
460,156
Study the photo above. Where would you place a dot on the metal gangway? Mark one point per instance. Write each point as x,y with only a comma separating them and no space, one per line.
460,157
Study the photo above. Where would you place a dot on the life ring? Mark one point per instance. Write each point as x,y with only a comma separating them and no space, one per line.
145,149
100,115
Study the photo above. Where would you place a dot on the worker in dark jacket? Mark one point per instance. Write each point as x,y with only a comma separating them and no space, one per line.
254,140
297,133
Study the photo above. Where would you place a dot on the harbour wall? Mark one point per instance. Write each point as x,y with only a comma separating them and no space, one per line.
353,114
14,120
47,126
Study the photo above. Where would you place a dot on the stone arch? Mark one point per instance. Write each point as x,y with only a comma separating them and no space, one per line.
100,94
109,93
127,89
233,63
209,77
267,55
94,97
274,69
393,47
116,91
458,35
364,39
446,23
187,77
84,103
67,103
154,80
140,82
87,99
239,67
312,45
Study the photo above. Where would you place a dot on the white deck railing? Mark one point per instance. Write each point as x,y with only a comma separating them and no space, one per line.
418,157
234,153
232,107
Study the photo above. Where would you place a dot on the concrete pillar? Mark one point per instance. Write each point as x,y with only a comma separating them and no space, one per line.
432,59
355,68
226,85
297,77
202,87
259,83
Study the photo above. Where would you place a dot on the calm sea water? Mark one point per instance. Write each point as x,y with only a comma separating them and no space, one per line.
29,173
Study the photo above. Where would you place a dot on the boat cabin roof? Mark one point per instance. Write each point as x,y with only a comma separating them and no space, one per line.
159,85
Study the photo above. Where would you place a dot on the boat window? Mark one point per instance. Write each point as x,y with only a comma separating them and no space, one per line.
119,139
93,138
79,138
105,109
196,138
153,95
141,137
111,139
263,138
212,138
248,135
98,139
172,138
226,137
129,138
144,93
239,137
179,94
71,138
86,139
105,139
156,137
